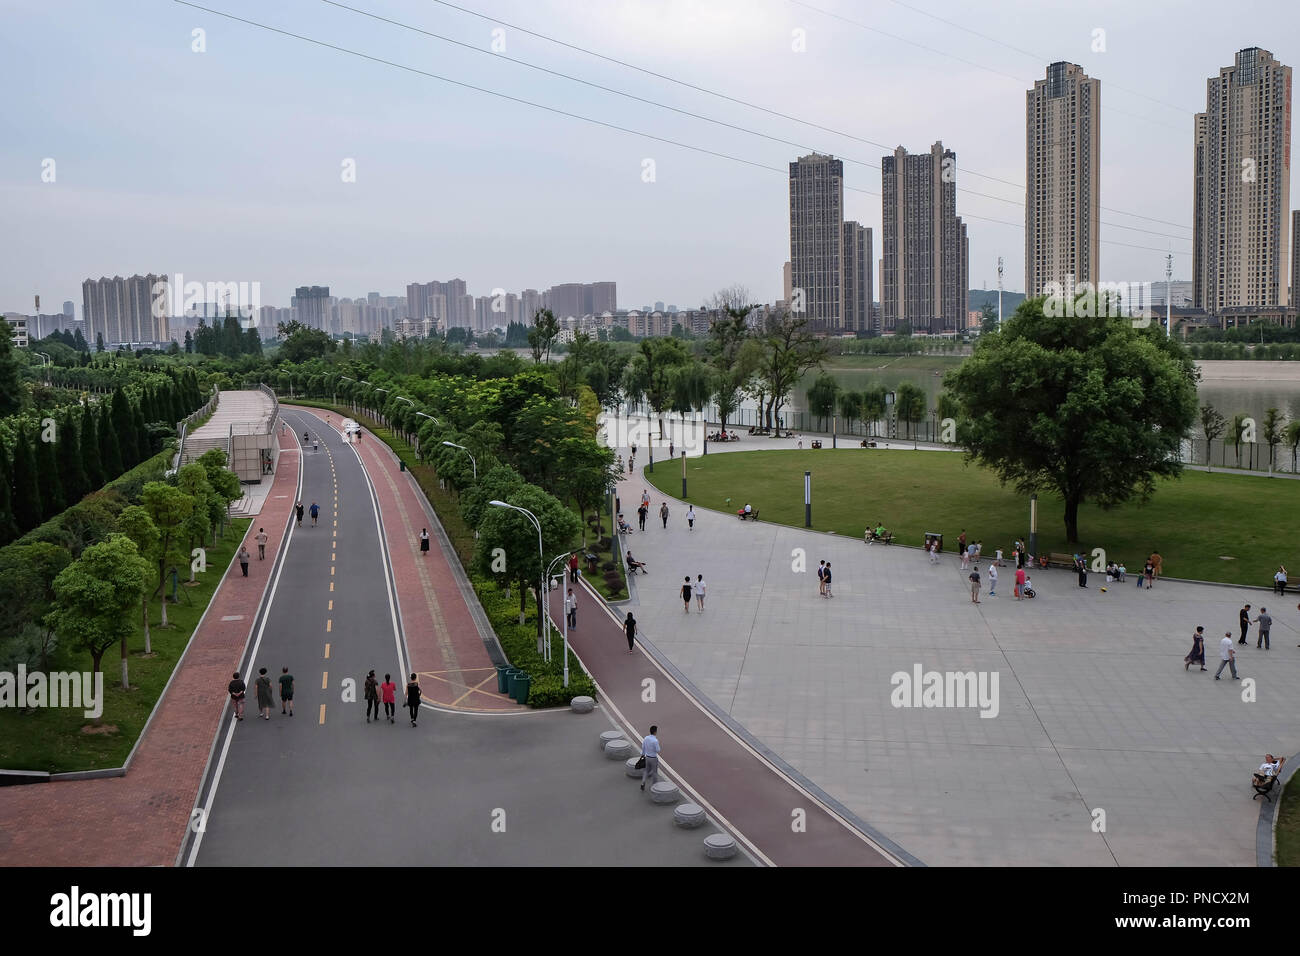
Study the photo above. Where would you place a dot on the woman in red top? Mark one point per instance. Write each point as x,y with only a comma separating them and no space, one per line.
388,690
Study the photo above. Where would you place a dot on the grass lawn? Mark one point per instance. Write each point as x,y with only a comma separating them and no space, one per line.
894,363
1197,522
54,740
1288,824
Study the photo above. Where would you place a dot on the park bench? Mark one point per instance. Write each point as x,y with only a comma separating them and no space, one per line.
1264,785
817,443
752,516
1055,560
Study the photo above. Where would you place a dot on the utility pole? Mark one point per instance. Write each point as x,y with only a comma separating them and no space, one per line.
1169,299
999,293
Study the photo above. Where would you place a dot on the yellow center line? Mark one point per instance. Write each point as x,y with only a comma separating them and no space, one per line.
324,680
327,652
331,570
329,625
334,555
331,607
331,587
322,713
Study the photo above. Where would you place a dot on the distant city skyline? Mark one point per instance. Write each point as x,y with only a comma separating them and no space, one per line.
354,188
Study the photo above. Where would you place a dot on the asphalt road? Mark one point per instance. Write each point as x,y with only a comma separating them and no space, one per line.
326,788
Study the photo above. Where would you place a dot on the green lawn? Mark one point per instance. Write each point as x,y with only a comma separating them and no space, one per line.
1196,522
895,363
1288,824
53,739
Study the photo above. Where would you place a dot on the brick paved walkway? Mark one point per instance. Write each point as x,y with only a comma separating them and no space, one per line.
446,649
140,819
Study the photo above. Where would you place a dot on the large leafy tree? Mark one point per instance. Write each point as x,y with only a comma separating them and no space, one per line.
789,350
1091,408
732,353
649,374
821,398
96,595
136,524
910,405
299,343
544,329
11,365
27,573
28,509
168,507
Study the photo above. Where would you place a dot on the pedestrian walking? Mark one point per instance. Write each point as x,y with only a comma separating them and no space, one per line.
298,509
388,691
1243,618
671,450
966,552
821,578
975,586
1149,573
686,594
261,539
641,512
315,510
573,567
934,552
286,691
1265,622
631,463
663,514
243,559
315,446
237,694
690,517
993,580
571,609
265,699
1157,564
629,628
1227,656
645,499
1197,653
1279,580
1081,567
620,464
699,591
826,582
372,697
1020,584
961,540
424,540
413,698
650,750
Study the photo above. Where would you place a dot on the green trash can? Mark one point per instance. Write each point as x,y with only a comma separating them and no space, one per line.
512,681
522,683
503,678
402,463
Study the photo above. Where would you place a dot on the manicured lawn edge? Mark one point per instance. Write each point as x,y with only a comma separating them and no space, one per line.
518,641
1288,824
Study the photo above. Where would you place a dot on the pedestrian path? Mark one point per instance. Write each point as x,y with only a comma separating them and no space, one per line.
1103,750
140,819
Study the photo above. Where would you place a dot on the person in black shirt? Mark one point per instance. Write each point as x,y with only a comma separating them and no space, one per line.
237,692
629,628
1243,616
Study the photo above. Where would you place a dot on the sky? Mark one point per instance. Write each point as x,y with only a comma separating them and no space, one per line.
230,163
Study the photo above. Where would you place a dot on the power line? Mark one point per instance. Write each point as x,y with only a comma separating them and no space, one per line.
777,113
674,109
556,110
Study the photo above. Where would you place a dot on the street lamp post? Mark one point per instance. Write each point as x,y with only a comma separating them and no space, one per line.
560,557
347,378
452,444
889,414
541,559
683,475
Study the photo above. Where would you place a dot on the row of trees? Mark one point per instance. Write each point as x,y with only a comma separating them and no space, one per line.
1245,431
80,582
228,339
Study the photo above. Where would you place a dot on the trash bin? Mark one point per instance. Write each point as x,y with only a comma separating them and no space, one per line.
503,678
401,462
506,686
519,683
935,536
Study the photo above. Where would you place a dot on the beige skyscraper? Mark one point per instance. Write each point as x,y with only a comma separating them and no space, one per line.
1062,167
817,240
924,248
1243,185
858,277
1295,256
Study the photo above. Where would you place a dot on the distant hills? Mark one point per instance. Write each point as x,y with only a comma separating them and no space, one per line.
977,298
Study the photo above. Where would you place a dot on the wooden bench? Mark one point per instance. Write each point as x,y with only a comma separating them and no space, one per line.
752,516
1055,560
869,536
1264,785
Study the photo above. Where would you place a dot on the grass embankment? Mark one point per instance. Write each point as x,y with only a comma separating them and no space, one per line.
62,739
1207,527
518,640
893,363
1288,824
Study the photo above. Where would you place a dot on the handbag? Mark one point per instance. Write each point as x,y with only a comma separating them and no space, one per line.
640,764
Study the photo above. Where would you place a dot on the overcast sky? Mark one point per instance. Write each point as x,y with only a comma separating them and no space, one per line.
227,165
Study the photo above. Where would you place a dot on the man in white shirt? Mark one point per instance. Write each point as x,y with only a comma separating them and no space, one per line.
690,518
571,609
650,750
1228,657
993,580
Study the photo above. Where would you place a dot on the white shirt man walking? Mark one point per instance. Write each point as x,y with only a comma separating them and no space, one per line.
650,750
1228,657
993,580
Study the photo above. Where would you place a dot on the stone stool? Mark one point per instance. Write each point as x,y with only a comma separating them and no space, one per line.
608,735
664,792
618,748
582,705
632,771
688,815
719,846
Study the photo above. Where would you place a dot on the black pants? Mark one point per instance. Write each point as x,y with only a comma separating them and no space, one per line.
261,552
1244,628
244,565
389,709
1083,578
372,703
414,708
630,639
573,575
573,617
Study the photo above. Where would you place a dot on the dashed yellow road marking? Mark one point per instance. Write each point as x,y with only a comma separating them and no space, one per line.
329,625
331,607
327,652
331,570
322,713
331,587
324,680
334,555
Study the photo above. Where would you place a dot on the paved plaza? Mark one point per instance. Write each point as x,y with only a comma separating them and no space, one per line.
1104,750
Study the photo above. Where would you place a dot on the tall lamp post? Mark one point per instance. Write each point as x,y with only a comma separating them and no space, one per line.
452,444
561,557
889,414
541,560
346,378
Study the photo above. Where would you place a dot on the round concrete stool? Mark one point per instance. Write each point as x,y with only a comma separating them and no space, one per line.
618,749
688,815
719,846
608,735
632,770
582,705
664,792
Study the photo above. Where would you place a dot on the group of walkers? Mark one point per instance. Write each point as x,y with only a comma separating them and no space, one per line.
689,589
315,513
375,692
824,579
